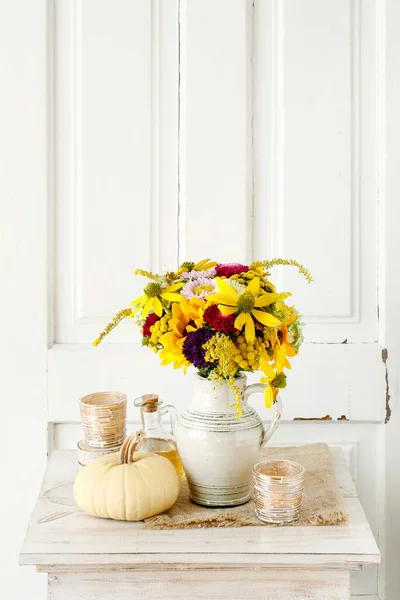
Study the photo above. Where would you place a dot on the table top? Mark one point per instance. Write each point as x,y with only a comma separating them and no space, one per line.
59,534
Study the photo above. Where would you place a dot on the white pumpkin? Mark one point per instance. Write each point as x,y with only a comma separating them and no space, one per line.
127,486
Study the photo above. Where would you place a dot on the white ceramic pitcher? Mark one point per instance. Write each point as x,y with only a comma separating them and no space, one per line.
217,449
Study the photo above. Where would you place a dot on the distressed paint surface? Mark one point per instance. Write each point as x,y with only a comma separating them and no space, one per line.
387,404
277,584
95,557
77,538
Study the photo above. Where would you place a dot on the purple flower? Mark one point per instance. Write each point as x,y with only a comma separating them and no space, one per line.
193,347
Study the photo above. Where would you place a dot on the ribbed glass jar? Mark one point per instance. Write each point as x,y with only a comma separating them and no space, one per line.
278,490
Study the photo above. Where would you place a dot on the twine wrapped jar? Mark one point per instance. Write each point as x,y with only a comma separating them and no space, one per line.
103,418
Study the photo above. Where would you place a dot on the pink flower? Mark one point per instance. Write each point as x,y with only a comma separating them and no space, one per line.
199,274
198,288
229,269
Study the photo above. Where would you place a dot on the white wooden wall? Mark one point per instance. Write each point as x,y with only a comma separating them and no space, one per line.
232,129
23,249
235,129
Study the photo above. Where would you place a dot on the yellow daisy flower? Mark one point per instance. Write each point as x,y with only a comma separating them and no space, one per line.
203,265
270,393
246,304
280,357
153,294
283,349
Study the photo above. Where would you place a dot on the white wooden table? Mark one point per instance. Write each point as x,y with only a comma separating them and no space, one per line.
89,558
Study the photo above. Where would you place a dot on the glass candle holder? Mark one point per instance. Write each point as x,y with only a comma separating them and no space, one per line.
103,417
278,490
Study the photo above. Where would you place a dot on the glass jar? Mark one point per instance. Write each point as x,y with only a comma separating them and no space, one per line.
155,438
103,418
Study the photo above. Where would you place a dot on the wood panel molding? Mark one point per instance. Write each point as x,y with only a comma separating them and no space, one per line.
148,218
215,130
287,48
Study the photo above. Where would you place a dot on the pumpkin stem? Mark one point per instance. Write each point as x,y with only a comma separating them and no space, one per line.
128,448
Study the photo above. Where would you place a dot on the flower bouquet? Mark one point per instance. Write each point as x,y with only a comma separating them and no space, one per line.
223,319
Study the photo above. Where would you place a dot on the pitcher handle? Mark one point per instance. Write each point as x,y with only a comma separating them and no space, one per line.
276,407
171,411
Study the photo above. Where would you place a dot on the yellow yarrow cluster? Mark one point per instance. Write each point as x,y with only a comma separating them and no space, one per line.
144,273
245,278
247,354
122,314
267,264
222,351
157,331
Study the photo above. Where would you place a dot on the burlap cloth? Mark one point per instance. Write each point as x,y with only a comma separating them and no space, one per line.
322,499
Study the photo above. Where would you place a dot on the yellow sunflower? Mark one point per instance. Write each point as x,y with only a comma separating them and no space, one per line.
246,304
172,351
153,294
184,313
186,316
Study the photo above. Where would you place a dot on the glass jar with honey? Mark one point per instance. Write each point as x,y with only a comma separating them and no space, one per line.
155,438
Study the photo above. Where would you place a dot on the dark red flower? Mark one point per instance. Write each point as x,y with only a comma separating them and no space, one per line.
213,317
229,269
150,320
